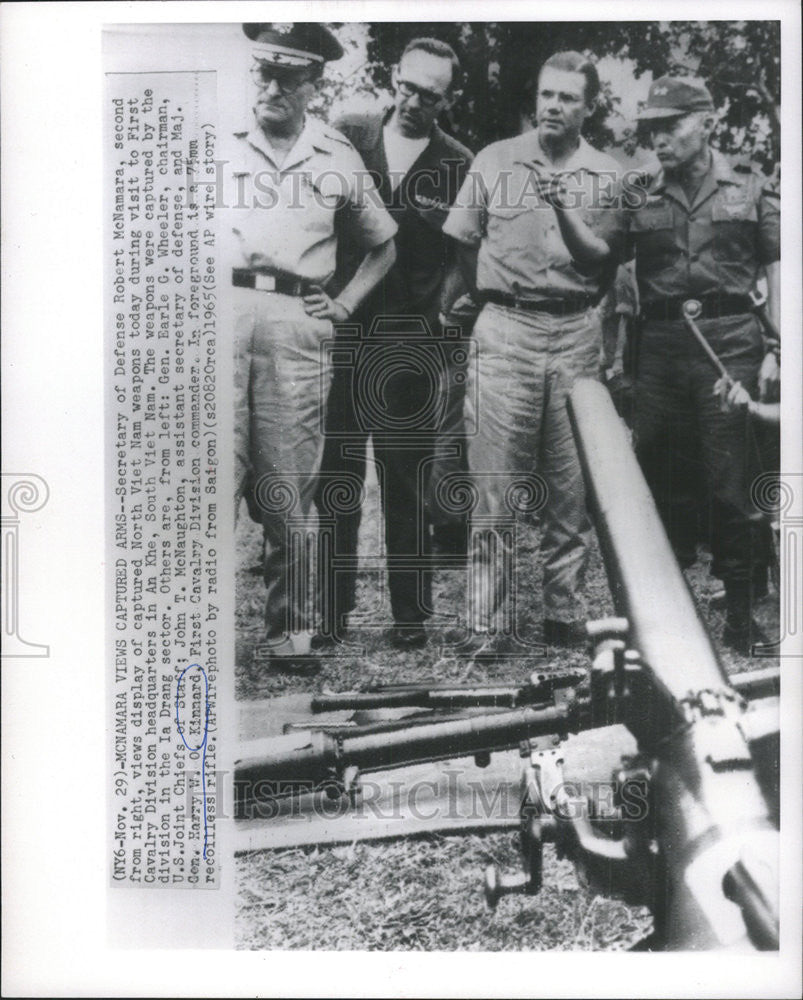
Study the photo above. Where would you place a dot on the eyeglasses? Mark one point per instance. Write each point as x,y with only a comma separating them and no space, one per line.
427,98
263,74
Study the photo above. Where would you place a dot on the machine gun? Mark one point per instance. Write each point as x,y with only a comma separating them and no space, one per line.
692,827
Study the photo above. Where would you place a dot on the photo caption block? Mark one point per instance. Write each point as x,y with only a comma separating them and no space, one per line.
161,309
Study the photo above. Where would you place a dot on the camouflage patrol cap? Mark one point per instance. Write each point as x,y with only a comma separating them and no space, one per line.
293,45
671,96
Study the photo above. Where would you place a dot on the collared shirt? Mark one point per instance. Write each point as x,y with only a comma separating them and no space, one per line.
285,216
521,251
714,244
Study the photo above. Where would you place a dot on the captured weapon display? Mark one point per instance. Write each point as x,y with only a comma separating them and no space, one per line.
690,827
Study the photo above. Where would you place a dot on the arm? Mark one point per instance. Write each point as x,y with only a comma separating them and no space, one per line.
466,264
769,375
586,248
735,396
773,272
618,365
769,249
373,267
455,282
465,224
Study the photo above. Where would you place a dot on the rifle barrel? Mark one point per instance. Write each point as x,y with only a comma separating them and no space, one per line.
312,757
647,585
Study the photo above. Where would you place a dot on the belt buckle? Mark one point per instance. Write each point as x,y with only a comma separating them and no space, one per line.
692,309
265,282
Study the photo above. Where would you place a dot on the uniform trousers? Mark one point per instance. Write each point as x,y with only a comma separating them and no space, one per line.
688,447
281,385
526,364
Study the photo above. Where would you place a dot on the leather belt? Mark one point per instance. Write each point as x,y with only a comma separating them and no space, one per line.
270,280
714,306
555,307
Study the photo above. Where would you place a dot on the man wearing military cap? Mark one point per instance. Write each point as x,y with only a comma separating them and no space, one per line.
292,183
699,230
294,45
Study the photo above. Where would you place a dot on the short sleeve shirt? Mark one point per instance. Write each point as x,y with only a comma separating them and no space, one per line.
289,216
521,251
714,245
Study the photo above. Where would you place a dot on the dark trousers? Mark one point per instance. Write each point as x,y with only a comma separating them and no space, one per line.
689,448
450,469
387,389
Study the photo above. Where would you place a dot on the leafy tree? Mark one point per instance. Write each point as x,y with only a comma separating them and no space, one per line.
739,59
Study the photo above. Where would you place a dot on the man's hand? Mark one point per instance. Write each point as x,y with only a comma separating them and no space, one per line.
318,304
551,188
732,395
769,378
588,250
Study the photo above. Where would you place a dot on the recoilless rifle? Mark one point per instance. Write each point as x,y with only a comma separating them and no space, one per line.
692,829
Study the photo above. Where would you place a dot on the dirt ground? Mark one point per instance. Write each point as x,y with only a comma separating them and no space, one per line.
426,893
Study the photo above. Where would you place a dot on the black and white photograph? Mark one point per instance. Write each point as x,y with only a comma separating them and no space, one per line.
540,479
444,520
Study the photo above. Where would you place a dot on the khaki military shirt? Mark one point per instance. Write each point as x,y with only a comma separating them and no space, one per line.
290,216
714,244
521,251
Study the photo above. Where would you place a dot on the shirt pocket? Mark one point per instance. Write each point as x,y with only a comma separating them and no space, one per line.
653,232
518,229
318,199
735,229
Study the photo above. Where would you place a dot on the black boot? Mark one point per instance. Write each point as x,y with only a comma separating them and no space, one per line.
741,632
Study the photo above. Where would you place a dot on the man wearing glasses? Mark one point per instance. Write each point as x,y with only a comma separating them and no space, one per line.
392,391
293,182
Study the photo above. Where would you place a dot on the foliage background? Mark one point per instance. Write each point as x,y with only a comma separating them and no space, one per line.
740,61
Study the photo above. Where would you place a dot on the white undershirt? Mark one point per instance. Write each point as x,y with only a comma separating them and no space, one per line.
401,153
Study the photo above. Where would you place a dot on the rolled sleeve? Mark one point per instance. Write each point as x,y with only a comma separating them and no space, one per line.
369,220
466,219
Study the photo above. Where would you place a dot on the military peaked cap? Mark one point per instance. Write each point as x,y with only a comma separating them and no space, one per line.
293,45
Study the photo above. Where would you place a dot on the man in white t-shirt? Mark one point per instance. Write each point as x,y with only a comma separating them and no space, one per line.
389,385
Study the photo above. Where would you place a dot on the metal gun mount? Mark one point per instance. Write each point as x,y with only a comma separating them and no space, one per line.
673,802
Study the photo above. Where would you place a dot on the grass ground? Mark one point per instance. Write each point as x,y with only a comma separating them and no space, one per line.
425,893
